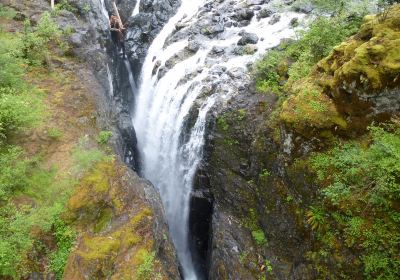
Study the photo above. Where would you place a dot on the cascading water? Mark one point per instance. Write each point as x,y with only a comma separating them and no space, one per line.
136,9
167,100
160,112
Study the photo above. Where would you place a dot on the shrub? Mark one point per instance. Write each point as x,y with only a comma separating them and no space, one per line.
17,111
361,193
266,72
65,238
104,137
36,41
54,133
65,5
6,12
146,268
14,167
11,65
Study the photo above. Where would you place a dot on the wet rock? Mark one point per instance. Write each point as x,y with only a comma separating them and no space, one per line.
76,40
236,72
193,46
275,19
217,50
303,7
245,14
245,50
294,22
255,2
264,13
248,38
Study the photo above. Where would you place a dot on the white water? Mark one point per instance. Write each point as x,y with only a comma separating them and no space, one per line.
130,75
163,106
103,9
136,9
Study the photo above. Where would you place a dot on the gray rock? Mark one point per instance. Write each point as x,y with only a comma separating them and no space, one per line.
248,38
245,14
255,2
193,46
294,22
264,13
275,19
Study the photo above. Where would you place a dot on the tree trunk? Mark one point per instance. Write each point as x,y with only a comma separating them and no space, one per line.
52,4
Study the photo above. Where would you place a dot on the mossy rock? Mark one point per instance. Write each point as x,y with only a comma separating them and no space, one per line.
347,86
310,107
117,253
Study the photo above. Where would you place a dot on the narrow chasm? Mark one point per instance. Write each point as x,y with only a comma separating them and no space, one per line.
200,218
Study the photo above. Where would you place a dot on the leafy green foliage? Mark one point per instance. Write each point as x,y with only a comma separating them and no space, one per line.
6,12
14,242
104,137
17,111
29,197
54,133
298,58
362,190
36,41
14,168
267,78
65,5
222,123
259,237
268,266
19,108
65,238
264,174
145,270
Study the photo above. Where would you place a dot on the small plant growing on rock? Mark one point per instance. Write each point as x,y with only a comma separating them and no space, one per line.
54,133
316,218
145,270
86,8
268,265
104,137
265,174
259,237
222,123
36,41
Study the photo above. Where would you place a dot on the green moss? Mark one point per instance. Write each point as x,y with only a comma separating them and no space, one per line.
310,107
100,248
103,220
371,57
259,237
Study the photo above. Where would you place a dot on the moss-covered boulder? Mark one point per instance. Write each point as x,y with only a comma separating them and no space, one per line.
356,84
122,232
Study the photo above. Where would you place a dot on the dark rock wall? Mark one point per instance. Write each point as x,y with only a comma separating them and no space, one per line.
91,43
254,189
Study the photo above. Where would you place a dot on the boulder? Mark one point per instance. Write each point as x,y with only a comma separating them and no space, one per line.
248,38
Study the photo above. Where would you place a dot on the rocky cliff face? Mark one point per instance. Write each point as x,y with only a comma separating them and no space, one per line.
254,169
119,217
252,190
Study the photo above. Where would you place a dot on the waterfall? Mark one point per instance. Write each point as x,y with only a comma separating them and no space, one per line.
130,75
161,110
136,9
170,158
103,9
